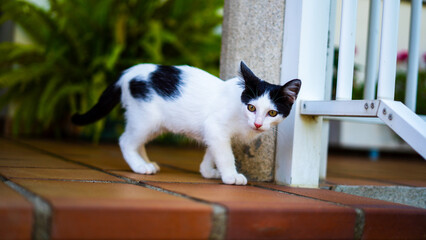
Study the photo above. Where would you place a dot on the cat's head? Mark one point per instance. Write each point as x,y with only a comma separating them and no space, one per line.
265,104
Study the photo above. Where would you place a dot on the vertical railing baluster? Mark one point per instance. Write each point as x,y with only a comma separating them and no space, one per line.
328,87
413,55
372,50
388,45
345,70
330,52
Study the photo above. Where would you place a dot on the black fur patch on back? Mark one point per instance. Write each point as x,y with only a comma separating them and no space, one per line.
139,88
166,81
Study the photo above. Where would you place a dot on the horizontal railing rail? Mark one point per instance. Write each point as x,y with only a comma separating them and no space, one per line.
399,117
396,115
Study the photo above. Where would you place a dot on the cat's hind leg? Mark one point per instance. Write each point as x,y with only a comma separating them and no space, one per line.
207,167
132,147
144,155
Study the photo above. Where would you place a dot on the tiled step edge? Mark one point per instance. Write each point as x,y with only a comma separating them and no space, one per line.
42,211
42,223
219,218
360,215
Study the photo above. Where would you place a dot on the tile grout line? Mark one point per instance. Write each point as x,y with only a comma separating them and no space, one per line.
392,183
177,168
42,210
65,180
360,215
59,168
188,183
220,213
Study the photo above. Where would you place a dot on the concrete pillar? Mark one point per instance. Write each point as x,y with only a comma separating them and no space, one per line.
253,33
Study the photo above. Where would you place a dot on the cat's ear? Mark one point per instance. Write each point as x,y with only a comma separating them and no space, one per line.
247,75
291,89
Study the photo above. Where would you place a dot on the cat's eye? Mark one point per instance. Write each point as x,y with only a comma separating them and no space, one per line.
272,113
251,108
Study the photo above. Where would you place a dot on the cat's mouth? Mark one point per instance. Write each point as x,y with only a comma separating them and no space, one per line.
258,129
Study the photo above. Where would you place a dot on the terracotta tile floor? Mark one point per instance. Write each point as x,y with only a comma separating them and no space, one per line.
61,190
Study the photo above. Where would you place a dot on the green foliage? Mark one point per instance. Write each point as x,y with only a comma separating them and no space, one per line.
400,82
357,91
401,79
79,47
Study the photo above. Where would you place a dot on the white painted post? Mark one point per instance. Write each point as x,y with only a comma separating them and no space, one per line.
388,45
328,88
372,50
304,57
413,55
345,70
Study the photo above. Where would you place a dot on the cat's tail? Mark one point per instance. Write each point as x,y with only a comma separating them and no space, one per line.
109,98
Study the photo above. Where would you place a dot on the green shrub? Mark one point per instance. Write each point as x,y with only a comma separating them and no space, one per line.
80,46
400,82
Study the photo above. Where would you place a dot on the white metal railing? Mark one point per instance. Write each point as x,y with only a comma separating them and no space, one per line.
345,69
413,57
308,53
388,50
372,53
396,115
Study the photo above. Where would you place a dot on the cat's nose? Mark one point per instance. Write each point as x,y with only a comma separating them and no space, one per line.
257,125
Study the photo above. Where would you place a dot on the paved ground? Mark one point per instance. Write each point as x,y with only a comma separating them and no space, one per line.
56,190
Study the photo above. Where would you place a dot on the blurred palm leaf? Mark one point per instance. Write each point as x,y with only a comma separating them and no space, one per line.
78,47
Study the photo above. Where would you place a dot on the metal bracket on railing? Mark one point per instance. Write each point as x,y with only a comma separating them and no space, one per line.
396,115
349,108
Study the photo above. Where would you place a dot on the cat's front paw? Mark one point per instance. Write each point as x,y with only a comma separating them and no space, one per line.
236,178
146,168
210,173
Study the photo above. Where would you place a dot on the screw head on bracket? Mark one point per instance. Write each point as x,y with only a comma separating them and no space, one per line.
372,105
384,111
366,106
390,117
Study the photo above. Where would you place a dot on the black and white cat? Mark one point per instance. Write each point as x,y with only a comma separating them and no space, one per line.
189,101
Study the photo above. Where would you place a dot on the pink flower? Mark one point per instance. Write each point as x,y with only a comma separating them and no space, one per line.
402,56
